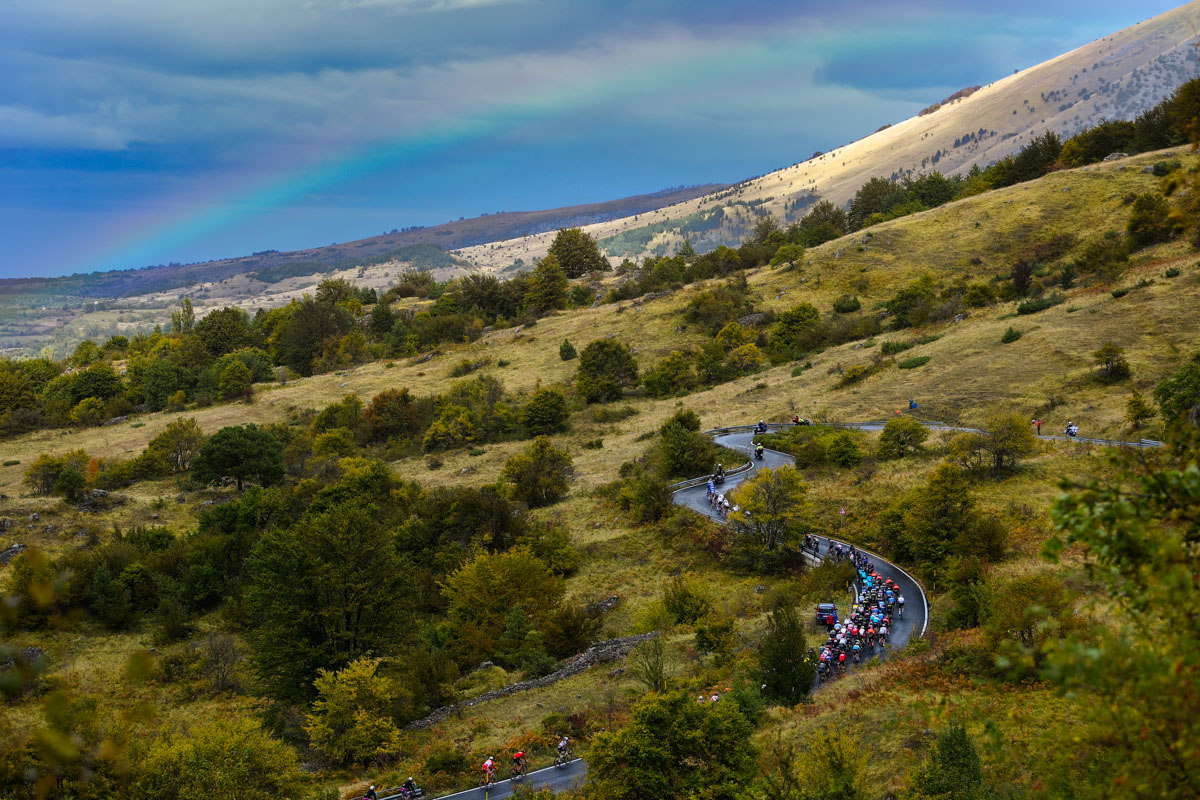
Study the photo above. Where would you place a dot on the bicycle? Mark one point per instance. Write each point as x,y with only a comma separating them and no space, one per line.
489,777
562,758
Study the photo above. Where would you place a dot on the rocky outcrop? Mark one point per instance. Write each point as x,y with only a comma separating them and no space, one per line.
9,554
601,653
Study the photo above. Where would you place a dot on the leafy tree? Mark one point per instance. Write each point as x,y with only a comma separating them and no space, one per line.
351,718
843,450
953,770
1149,221
395,412
824,222
1178,396
309,326
164,376
1022,277
682,451
566,350
230,758
224,331
99,380
676,747
1138,528
1008,439
876,196
912,305
540,475
481,593
42,475
578,253
647,497
1137,410
16,390
785,667
970,592
830,764
795,332
900,437
71,483
336,290
606,367
240,452
939,520
650,665
346,413
184,320
1112,363
382,321
671,376
324,593
89,411
235,382
788,254
774,515
545,413
931,190
547,286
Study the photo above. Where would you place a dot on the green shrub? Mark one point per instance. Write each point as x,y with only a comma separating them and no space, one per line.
914,362
593,444
503,363
859,373
801,368
846,304
1034,305
12,462
686,599
1119,293
1010,335
892,348
447,762
467,366
1173,272
901,436
603,414
843,450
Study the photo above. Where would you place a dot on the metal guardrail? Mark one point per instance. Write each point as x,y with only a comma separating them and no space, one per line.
775,427
690,482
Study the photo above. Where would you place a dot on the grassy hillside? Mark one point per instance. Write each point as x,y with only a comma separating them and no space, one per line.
893,711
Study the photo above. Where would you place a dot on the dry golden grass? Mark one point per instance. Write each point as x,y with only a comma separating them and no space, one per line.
971,373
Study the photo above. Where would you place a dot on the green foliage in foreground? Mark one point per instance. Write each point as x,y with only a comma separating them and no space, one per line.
676,747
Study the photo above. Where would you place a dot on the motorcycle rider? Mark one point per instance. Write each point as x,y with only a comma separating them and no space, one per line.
758,451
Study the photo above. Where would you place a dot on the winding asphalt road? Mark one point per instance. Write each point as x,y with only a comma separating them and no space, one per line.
569,776
916,617
916,610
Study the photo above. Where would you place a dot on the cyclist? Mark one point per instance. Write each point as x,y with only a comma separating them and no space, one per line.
489,771
518,767
409,789
564,747
371,794
900,606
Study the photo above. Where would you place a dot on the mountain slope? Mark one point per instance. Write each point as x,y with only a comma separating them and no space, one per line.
272,264
1118,76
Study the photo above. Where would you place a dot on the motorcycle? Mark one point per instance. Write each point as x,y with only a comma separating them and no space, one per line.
801,421
1072,431
760,428
758,453
718,478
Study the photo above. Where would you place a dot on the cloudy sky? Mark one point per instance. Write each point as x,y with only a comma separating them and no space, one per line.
137,132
